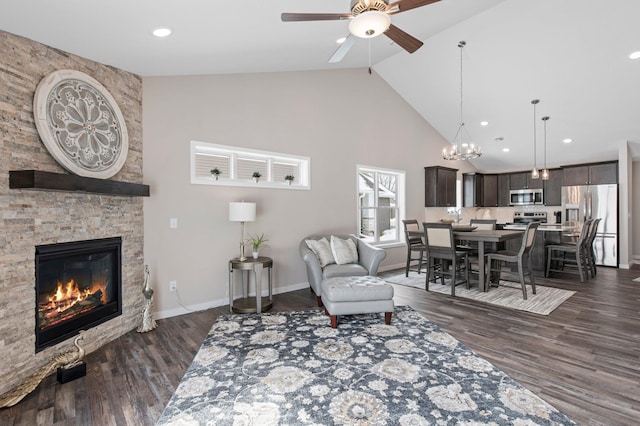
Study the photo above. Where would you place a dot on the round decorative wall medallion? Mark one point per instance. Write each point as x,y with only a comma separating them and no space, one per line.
80,124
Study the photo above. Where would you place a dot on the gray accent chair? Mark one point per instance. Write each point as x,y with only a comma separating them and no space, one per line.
369,258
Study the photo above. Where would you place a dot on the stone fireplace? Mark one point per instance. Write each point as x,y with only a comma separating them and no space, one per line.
32,218
78,286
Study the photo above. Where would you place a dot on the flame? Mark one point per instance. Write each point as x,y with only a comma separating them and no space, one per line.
68,295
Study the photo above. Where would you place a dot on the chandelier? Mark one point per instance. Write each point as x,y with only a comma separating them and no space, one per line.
461,150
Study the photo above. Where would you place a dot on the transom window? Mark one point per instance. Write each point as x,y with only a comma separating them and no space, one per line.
381,194
236,166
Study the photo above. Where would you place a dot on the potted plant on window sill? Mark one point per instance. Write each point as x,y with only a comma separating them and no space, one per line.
256,176
256,242
289,179
215,173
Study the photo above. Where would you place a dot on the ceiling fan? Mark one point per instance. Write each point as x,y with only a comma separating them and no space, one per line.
368,19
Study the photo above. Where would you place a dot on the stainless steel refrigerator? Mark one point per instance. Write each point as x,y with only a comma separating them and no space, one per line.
584,202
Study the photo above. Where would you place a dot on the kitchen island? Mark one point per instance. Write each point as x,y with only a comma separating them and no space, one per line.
547,233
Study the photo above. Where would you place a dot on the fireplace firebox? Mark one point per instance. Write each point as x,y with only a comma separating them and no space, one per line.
78,286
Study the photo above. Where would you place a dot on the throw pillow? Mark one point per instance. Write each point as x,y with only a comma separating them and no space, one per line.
344,251
322,250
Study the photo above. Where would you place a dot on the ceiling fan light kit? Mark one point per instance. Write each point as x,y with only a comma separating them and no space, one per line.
369,24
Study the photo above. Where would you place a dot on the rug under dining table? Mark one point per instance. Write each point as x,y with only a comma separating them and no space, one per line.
508,294
292,368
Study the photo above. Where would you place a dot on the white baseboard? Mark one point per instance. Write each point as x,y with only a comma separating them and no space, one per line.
168,313
392,267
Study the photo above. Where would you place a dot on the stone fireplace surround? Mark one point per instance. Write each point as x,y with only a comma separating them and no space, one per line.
33,217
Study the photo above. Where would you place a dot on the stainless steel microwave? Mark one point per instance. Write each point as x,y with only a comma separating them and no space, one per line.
525,197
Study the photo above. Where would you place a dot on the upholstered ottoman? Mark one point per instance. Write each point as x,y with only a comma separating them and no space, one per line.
356,295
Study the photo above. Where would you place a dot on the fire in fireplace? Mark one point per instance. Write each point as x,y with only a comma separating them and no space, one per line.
78,286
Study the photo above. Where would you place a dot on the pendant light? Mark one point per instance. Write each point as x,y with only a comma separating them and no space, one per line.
462,151
534,171
544,174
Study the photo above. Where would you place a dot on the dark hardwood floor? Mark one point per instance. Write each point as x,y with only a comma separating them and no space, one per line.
584,358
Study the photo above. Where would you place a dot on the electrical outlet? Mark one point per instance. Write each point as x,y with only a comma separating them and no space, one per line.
173,285
173,223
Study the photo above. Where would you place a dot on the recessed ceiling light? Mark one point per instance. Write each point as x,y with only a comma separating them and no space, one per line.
505,150
161,32
484,123
341,40
635,55
567,140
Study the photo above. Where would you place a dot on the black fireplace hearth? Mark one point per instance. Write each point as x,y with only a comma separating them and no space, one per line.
78,286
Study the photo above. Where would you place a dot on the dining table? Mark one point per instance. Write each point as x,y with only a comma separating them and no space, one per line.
484,238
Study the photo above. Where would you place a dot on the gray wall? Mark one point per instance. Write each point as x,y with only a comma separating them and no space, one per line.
338,118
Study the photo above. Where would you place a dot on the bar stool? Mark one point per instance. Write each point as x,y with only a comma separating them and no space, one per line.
572,255
414,244
591,254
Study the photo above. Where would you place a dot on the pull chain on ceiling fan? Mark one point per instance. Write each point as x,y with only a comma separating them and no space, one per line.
368,19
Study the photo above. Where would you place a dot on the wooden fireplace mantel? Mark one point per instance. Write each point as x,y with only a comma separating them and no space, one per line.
50,181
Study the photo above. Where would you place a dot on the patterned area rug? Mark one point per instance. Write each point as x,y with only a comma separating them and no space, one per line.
508,294
292,368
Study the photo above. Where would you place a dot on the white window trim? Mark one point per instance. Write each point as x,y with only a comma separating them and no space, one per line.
401,176
302,182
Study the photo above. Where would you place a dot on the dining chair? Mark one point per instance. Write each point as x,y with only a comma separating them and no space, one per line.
571,257
443,257
414,245
520,258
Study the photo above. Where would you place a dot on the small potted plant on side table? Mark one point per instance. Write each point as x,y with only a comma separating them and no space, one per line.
256,242
215,173
256,176
289,178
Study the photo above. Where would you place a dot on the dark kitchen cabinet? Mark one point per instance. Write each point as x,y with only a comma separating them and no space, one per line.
472,190
604,173
553,188
575,175
522,180
591,174
503,190
490,190
479,190
439,186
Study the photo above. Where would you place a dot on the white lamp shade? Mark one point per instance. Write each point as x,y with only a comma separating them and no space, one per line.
242,212
369,24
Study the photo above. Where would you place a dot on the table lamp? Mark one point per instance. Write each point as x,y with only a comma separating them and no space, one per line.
242,212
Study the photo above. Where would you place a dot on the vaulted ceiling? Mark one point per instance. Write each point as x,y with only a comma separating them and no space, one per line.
572,55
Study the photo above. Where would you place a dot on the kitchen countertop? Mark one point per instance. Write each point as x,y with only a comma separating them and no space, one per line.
544,227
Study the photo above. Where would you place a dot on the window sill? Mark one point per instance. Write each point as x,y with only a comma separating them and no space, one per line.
250,184
394,244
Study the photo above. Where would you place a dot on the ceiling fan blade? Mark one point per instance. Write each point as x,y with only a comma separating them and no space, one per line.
402,39
296,17
342,49
404,5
